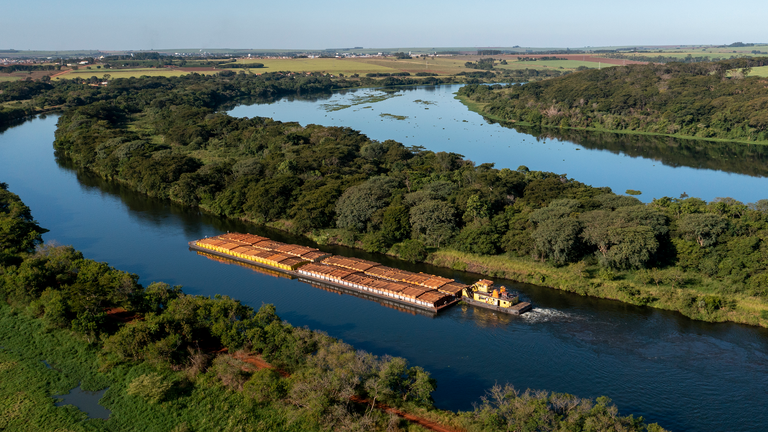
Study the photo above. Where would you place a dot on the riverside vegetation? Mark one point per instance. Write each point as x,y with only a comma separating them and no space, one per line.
163,137
710,100
178,362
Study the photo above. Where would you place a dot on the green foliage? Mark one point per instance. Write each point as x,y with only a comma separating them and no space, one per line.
702,228
557,240
694,99
19,233
152,387
505,408
265,385
410,250
433,221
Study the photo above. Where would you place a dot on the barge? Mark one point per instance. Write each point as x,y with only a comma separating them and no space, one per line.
367,279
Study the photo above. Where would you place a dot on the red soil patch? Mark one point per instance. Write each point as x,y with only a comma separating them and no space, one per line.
258,362
410,417
121,315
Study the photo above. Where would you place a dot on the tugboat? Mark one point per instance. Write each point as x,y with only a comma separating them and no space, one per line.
483,294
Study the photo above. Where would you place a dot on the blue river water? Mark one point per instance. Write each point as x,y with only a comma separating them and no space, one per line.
439,122
683,374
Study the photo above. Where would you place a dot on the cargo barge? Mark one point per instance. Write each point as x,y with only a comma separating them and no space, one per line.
417,290
367,279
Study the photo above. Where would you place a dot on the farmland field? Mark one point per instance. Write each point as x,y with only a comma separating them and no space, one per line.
329,65
551,64
6,77
761,71
126,73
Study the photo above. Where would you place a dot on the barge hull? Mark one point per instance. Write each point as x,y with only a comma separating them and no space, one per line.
517,309
307,278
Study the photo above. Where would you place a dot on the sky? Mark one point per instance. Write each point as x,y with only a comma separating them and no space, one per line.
313,24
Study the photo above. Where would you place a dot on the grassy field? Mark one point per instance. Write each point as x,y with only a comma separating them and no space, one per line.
438,65
761,71
125,73
707,51
6,77
551,64
329,65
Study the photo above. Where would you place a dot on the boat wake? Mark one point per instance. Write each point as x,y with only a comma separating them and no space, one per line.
538,315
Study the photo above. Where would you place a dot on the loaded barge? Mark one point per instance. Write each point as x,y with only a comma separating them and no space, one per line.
364,278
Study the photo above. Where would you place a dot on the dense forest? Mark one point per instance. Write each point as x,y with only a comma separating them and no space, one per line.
165,355
714,100
334,185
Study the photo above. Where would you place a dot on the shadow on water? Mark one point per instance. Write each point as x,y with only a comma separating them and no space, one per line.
85,401
739,158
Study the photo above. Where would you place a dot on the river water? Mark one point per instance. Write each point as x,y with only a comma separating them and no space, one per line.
686,375
434,119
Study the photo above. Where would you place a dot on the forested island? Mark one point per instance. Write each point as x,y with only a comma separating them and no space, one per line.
177,362
708,100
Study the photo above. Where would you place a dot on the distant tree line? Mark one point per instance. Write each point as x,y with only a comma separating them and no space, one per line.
705,100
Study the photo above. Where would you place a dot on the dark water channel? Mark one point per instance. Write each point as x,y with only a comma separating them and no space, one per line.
683,374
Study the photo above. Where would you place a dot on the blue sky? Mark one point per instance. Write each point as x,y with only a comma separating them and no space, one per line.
162,24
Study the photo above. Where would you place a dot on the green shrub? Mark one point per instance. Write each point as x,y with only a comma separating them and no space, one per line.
152,387
411,250
265,385
606,274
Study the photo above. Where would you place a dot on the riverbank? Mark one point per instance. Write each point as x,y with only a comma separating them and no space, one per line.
479,108
669,289
691,300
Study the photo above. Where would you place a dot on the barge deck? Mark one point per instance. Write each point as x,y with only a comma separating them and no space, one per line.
309,278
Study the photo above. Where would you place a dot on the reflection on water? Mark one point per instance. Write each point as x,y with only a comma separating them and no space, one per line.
85,401
748,159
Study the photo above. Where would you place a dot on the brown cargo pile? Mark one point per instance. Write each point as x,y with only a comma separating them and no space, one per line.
418,288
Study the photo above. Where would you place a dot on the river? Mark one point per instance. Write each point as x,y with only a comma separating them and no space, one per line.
684,374
433,118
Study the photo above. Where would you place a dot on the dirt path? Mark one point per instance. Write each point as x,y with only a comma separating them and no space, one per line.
410,417
61,73
259,363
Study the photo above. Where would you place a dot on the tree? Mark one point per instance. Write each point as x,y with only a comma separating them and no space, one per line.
704,228
396,223
626,237
433,221
478,238
411,250
19,232
476,209
358,203
557,240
